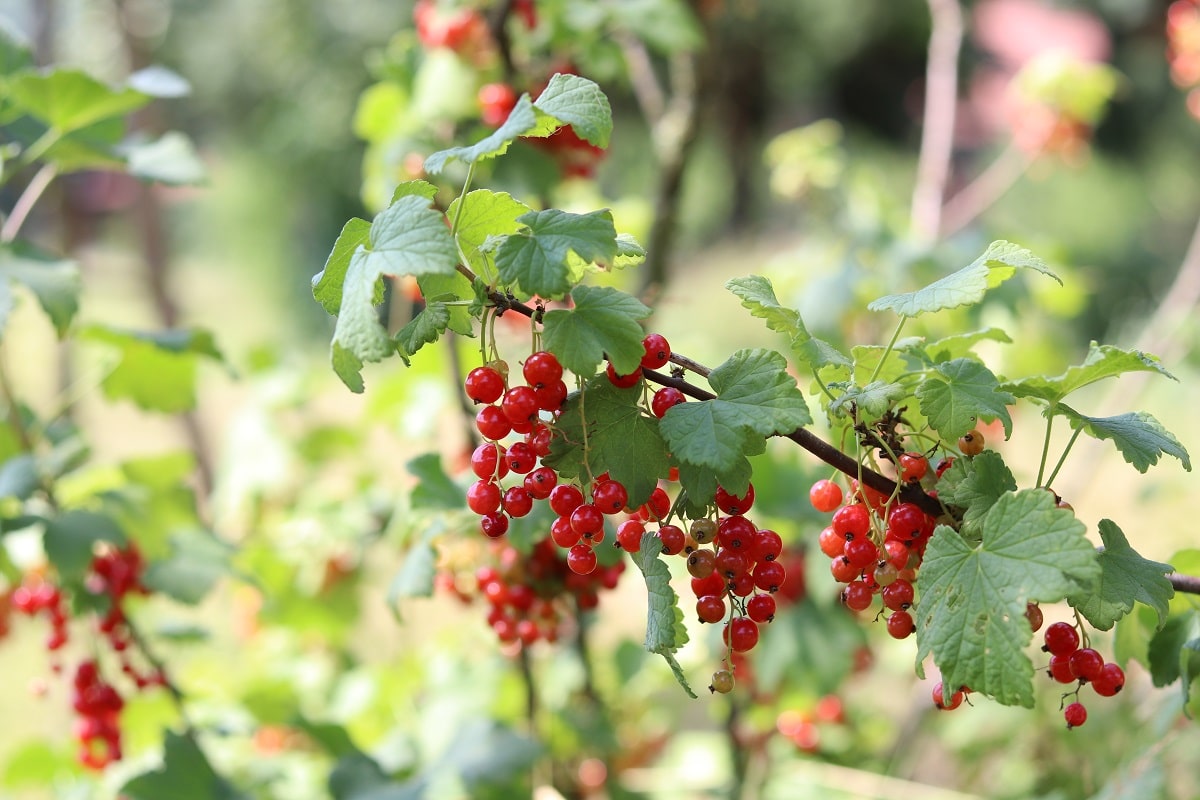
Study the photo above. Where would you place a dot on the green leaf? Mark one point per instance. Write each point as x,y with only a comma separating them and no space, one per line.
425,328
16,51
435,489
1125,577
53,281
327,284
157,371
184,775
665,632
411,238
967,286
602,323
1139,437
1175,651
70,99
34,765
406,238
756,398
875,399
955,346
171,159
19,477
757,294
70,538
536,259
357,776
580,103
522,121
416,575
1103,361
197,561
484,214
629,252
969,392
975,484
621,439
971,613
446,289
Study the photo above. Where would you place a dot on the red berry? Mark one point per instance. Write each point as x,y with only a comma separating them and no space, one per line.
657,507
825,496
900,625
906,522
581,559
713,584
832,543
587,520
623,381
769,576
520,458
629,535
483,497
520,405
484,385
563,534
610,497
741,634
768,545
565,498
658,351
940,700
1110,680
541,482
843,571
664,399
1060,668
673,539
736,533
701,563
487,461
1060,639
761,608
517,502
898,595
496,101
492,423
1086,664
494,525
732,504
731,563
857,596
710,608
913,467
1075,715
852,521
861,552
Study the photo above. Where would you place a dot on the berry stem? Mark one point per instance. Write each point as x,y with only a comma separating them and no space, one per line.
1045,446
1063,458
887,351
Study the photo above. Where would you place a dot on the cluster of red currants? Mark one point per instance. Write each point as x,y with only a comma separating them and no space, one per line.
580,520
1183,49
534,597
114,573
1071,663
875,548
463,30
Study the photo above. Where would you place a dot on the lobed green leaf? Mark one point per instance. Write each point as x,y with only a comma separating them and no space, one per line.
665,632
968,285
758,295
971,614
535,261
1103,361
966,392
580,103
975,484
485,214
54,281
602,323
70,538
184,775
156,371
1125,577
69,99
1140,438
327,284
522,120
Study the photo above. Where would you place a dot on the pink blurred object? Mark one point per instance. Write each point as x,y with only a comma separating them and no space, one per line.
1017,31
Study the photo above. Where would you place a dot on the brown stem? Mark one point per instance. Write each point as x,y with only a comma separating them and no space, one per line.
497,21
941,99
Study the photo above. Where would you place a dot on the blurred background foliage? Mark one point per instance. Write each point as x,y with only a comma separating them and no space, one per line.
808,120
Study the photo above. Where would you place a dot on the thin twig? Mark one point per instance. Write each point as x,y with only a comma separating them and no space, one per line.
982,193
25,203
646,89
941,100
